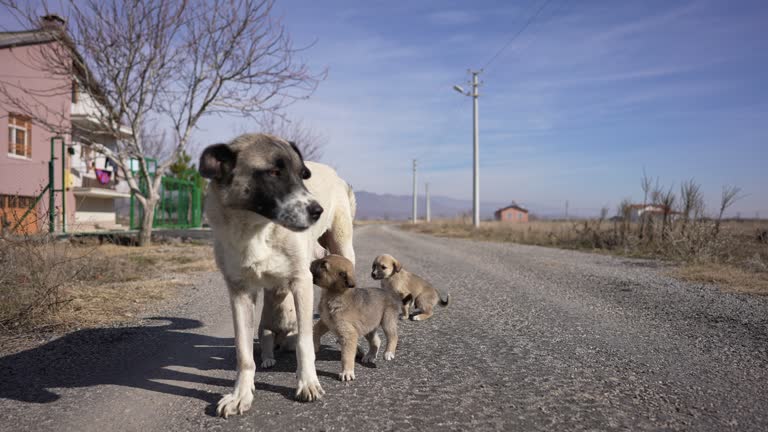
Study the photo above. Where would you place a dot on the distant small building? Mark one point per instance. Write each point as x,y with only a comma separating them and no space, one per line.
511,213
636,211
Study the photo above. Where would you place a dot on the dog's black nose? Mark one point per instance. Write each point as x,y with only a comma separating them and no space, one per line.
314,210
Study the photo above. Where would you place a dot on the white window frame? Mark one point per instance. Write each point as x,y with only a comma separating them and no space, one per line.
13,129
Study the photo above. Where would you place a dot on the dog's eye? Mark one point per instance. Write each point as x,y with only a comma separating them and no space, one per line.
274,172
383,267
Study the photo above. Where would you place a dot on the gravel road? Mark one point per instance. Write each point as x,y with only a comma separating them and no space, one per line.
534,339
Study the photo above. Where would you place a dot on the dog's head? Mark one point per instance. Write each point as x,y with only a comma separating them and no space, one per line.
333,272
384,266
262,174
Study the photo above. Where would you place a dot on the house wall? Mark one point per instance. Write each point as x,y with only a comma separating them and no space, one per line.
92,210
513,215
21,176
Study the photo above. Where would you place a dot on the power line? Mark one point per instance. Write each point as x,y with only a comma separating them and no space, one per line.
519,32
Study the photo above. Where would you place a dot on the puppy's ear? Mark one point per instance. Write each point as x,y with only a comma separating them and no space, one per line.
349,280
396,266
217,162
305,172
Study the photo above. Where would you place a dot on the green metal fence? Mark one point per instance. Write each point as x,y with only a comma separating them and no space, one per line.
180,205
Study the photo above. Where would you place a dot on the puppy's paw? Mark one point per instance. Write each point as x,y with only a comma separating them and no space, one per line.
416,318
369,358
237,402
309,390
347,375
389,356
267,363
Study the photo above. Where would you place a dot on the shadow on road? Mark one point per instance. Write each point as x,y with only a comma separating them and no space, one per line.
144,357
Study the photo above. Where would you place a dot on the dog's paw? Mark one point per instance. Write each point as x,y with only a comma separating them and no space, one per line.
416,318
236,402
267,363
369,358
347,375
389,356
309,390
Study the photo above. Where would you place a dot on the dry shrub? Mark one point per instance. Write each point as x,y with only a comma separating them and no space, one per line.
680,232
47,282
33,273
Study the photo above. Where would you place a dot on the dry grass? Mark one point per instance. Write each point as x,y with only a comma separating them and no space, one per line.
48,285
735,257
729,277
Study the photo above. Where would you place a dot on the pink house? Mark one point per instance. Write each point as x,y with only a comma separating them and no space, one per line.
35,106
512,213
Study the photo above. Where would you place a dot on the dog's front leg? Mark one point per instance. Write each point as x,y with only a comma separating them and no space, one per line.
241,397
308,388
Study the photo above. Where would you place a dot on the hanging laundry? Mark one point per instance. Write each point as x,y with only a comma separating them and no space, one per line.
103,176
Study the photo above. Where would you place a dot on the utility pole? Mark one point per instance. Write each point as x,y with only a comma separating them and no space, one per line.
475,146
426,194
414,192
566,210
476,154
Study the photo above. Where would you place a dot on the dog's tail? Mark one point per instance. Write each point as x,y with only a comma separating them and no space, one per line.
444,301
352,201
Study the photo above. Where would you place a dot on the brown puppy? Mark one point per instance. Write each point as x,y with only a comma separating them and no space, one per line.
351,313
410,287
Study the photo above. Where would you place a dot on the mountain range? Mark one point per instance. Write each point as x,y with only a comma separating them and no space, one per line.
399,207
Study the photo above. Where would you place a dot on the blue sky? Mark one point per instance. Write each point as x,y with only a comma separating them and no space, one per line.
592,93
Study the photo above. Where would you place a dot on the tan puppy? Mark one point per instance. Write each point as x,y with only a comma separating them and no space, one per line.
351,313
410,287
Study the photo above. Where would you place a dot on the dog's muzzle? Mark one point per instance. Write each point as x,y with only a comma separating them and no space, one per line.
314,210
298,212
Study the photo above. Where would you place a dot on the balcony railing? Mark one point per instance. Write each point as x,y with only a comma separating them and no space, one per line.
89,182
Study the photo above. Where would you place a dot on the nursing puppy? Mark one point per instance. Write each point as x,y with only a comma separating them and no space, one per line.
269,210
277,327
350,313
410,287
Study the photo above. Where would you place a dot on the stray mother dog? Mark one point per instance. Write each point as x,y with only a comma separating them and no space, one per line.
268,210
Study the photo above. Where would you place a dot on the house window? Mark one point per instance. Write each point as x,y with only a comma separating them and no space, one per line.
509,215
519,216
74,91
19,136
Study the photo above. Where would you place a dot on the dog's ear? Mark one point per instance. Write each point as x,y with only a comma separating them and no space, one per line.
305,172
217,162
349,280
396,266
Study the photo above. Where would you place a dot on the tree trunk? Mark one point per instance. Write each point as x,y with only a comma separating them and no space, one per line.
148,215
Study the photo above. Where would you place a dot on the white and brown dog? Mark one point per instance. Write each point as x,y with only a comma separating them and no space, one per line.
409,286
268,210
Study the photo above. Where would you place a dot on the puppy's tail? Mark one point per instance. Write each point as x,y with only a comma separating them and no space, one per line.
444,301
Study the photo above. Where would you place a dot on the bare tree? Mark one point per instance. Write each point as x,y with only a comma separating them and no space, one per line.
690,195
667,201
645,184
309,141
729,196
172,62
